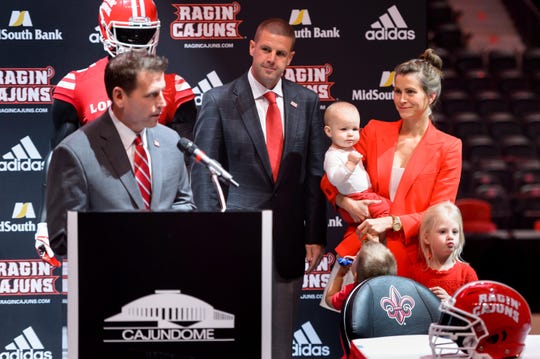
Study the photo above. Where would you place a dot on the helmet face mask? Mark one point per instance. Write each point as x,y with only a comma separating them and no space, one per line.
456,331
484,319
127,25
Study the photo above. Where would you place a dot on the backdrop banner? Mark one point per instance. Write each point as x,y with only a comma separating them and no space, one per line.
344,51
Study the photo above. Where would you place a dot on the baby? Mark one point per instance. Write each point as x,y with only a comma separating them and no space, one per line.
342,163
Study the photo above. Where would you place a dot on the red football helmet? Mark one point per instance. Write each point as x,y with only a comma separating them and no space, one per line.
483,319
125,25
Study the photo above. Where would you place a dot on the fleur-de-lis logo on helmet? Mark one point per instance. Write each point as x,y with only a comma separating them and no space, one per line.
396,306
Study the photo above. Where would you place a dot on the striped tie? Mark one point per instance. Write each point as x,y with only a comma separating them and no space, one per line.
142,172
274,133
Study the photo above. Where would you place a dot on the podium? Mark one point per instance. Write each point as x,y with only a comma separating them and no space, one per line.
169,285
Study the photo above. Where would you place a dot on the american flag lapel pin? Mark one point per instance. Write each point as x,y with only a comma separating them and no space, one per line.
156,143
294,104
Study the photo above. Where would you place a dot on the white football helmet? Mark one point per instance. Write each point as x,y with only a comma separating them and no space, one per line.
126,25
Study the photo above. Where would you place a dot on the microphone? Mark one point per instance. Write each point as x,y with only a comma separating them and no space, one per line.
213,166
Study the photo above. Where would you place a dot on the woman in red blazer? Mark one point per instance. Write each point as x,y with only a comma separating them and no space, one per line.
409,161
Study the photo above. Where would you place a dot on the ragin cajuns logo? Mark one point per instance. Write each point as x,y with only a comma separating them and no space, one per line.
497,303
313,77
26,85
397,306
206,22
26,277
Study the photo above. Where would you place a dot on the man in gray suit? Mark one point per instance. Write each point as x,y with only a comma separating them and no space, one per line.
231,129
93,168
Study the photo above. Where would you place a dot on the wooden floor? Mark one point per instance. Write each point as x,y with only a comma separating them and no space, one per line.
535,323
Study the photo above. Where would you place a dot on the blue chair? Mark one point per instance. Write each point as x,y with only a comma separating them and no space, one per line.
387,305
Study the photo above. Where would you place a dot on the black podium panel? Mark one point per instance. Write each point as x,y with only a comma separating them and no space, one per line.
169,285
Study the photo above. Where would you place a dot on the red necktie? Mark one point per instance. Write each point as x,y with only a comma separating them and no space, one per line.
142,172
274,133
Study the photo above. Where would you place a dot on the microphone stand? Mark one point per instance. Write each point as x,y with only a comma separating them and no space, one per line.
219,190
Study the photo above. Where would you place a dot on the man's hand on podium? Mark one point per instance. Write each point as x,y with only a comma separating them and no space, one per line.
43,247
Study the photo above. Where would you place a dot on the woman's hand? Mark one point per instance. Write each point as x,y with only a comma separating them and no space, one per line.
372,227
358,210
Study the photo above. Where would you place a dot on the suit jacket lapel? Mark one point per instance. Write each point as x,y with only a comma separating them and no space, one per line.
250,117
116,154
292,121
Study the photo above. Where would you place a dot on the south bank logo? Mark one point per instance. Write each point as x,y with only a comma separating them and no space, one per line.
169,316
386,81
23,210
390,26
22,19
20,211
301,17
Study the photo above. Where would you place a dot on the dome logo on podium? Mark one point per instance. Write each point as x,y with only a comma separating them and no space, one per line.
169,316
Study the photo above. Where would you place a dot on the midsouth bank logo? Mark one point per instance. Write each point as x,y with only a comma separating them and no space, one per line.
390,26
26,345
21,19
21,210
206,22
169,316
307,343
23,157
301,17
386,83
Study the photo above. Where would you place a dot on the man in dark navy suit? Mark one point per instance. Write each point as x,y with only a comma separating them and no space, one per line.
231,128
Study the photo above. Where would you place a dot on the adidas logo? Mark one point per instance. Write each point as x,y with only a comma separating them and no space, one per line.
20,18
24,150
22,157
94,36
212,80
26,345
307,342
390,26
